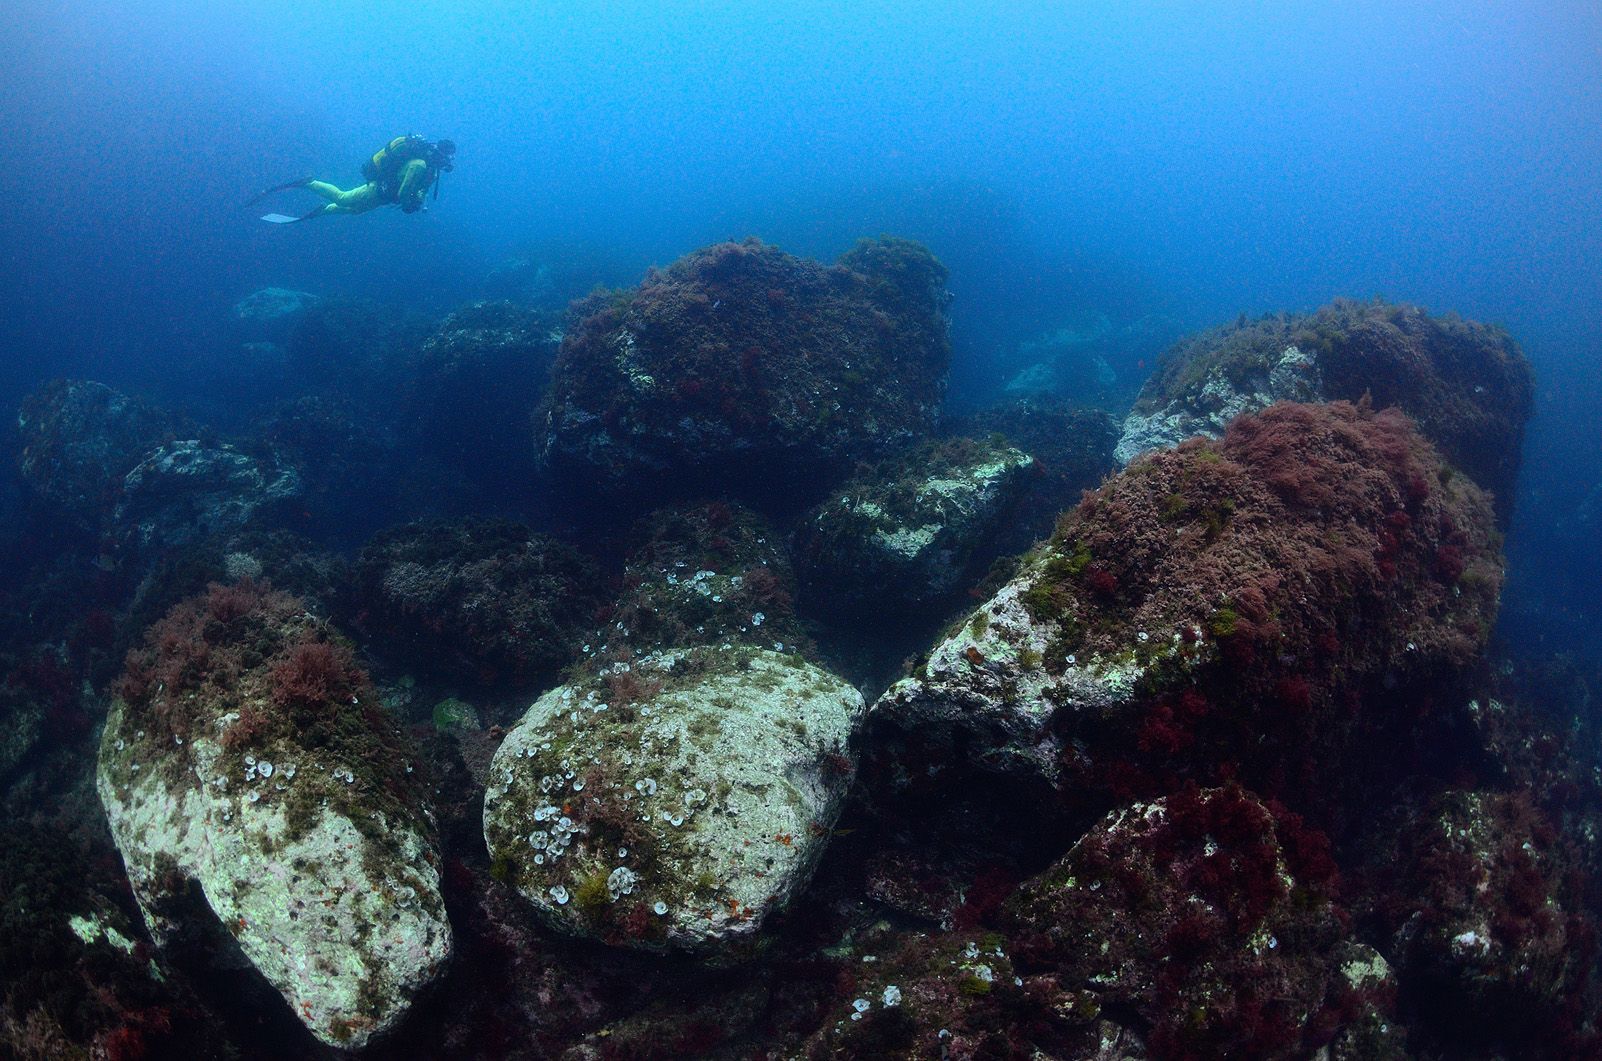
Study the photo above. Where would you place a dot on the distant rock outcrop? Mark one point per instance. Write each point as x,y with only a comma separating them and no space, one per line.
744,368
482,599
1467,385
711,574
188,490
481,373
912,531
79,438
271,312
1073,451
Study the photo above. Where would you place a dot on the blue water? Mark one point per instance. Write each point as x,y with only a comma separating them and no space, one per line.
1183,159
1193,160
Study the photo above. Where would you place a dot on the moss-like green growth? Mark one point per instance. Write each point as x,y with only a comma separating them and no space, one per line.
452,714
1223,622
591,895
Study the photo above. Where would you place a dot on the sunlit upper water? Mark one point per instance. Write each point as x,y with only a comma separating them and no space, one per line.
1189,159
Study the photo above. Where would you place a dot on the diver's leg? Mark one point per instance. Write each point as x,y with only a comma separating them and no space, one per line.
360,200
326,190
357,200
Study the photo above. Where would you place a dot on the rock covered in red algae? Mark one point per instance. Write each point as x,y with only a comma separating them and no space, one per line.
1492,923
1207,915
750,371
1251,602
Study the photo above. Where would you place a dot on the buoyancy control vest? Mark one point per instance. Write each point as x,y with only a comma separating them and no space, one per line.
385,166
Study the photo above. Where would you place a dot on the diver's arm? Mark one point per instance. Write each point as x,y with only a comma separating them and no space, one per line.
415,179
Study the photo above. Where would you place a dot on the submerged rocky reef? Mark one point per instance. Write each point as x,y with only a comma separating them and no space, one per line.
663,676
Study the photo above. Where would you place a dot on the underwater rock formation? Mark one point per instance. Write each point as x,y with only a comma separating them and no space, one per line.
22,726
271,312
1467,385
1073,451
1492,924
912,531
481,372
79,438
1208,915
957,995
676,801
248,767
120,465
1253,604
77,980
746,369
188,490
284,560
711,574
483,599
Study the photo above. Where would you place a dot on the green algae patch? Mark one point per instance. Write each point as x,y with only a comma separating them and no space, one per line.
452,714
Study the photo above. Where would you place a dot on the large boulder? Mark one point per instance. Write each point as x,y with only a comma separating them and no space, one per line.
1250,605
79,438
676,801
270,313
190,489
913,531
254,784
1207,917
1491,922
1467,385
751,371
484,600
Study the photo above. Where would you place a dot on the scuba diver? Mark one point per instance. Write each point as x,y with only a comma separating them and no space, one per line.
401,172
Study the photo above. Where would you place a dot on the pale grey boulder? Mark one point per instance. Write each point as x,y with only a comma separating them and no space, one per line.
348,929
675,801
